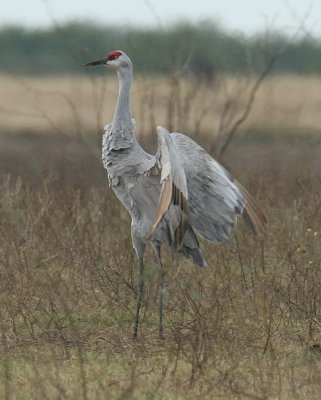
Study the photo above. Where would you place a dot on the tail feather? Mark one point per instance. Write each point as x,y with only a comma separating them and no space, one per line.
191,248
252,214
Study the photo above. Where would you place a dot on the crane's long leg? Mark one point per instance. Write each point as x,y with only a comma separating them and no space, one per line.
139,295
139,247
161,292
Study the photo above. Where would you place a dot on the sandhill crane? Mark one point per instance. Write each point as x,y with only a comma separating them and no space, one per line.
172,195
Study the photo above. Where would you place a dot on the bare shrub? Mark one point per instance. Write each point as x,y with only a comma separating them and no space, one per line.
248,326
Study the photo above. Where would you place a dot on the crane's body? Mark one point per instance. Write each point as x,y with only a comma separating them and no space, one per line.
171,195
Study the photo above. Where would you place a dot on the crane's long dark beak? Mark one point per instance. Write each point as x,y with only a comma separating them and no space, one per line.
97,62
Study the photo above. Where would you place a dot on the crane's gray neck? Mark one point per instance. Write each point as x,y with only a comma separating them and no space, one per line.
122,120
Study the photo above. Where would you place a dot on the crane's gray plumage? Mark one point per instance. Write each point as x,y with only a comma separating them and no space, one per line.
173,195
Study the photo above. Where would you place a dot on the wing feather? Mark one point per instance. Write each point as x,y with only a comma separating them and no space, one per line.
253,216
173,199
214,198
165,199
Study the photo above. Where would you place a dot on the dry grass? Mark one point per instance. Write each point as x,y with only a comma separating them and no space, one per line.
79,105
248,327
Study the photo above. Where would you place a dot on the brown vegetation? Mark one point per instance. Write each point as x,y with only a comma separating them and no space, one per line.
80,106
248,327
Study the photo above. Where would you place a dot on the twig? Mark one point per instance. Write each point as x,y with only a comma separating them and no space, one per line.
249,104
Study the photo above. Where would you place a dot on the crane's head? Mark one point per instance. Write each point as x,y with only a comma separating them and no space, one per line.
116,60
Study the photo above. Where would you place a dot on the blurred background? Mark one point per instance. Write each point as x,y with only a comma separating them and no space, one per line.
241,77
219,71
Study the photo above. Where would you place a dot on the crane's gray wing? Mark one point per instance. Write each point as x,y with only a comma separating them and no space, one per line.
172,204
252,214
214,199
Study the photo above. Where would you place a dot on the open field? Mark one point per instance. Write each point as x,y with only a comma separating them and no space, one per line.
248,327
79,105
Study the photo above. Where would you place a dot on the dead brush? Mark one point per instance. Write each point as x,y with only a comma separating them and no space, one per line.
68,282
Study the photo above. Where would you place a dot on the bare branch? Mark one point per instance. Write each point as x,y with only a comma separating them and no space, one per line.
230,135
227,137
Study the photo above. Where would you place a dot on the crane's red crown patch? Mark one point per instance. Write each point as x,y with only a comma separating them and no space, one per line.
113,55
